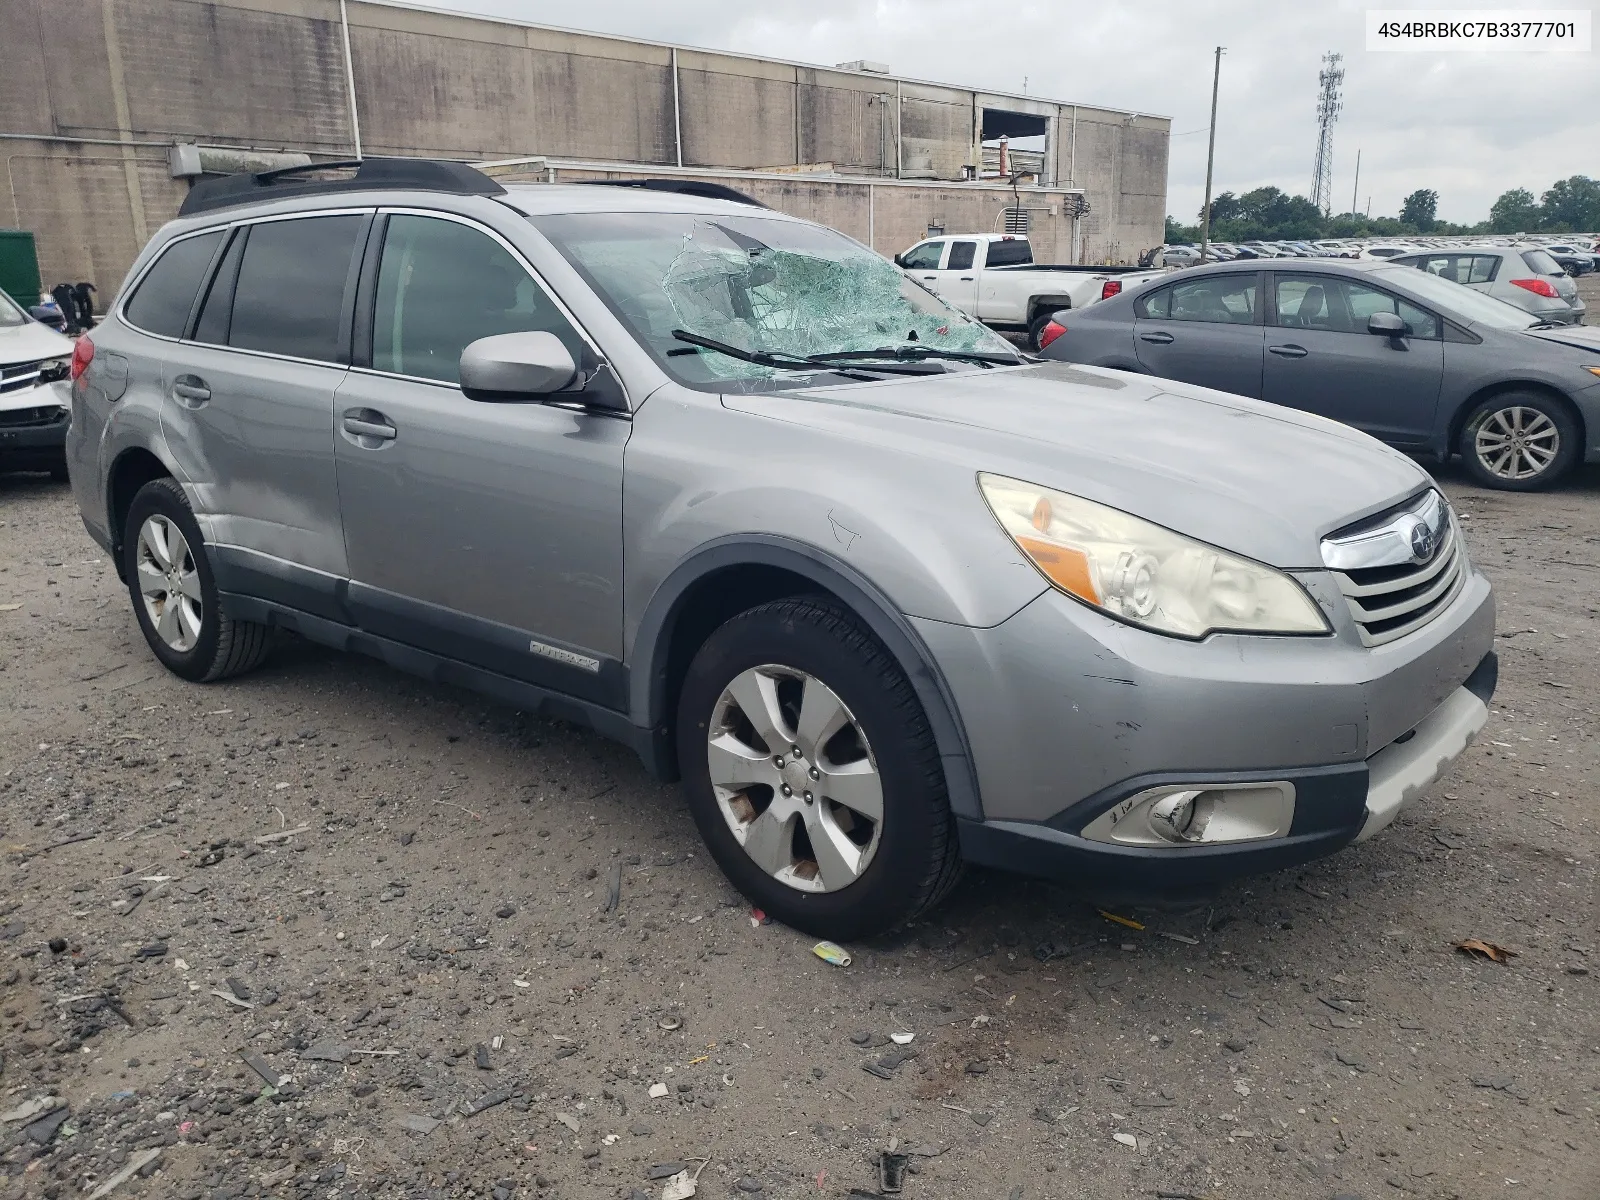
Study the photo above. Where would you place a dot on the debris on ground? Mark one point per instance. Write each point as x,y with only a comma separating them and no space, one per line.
1128,921
830,953
1482,949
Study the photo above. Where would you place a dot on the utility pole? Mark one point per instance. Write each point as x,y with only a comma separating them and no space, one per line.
1211,151
1356,189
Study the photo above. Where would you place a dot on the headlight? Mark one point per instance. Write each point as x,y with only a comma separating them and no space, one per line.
54,370
1142,573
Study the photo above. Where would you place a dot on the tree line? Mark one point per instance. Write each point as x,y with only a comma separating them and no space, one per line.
1269,214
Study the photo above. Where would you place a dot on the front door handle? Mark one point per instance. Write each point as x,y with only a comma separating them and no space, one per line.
366,425
930,277
1288,351
190,391
1160,339
967,278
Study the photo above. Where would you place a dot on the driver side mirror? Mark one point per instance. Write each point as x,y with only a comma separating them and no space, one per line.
516,366
899,260
1388,325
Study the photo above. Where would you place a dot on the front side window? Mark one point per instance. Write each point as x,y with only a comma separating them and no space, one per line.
922,258
1221,300
761,284
1336,305
961,255
162,301
290,293
443,285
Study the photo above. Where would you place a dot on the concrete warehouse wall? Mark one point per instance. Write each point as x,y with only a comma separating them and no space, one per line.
126,78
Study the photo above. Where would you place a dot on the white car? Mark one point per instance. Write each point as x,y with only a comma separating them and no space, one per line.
33,411
1390,250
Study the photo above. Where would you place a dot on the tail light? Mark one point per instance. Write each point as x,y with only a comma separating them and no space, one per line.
1050,333
82,356
1539,287
1110,288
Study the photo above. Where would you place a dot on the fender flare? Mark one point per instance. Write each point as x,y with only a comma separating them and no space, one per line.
649,703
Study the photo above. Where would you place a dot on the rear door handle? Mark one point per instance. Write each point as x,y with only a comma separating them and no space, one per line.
1160,339
1288,351
364,423
930,277
967,278
190,391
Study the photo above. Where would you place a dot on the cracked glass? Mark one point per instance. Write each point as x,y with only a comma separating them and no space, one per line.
761,284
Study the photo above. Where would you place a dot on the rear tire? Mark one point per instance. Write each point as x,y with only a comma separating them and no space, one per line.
175,597
900,863
1036,328
1519,441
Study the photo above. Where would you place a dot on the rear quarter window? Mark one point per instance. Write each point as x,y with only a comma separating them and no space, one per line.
1155,305
161,302
1541,263
1009,254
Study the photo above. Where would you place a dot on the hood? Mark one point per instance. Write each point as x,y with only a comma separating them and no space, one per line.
29,342
1582,337
1254,478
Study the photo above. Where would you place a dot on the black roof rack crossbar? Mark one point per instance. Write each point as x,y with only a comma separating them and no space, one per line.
371,174
683,187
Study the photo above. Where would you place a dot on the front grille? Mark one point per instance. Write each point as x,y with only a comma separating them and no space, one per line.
21,418
16,376
1389,602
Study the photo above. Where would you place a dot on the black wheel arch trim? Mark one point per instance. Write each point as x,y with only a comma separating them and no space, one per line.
649,704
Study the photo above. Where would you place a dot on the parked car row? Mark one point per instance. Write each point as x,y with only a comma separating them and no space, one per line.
1411,356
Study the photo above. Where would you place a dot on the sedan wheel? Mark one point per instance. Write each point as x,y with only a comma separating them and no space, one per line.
795,778
169,583
1517,443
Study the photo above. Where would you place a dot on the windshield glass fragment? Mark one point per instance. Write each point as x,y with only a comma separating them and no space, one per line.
762,285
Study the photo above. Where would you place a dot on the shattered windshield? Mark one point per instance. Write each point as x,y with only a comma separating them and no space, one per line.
783,288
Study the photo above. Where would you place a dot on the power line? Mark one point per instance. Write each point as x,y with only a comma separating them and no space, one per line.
1329,103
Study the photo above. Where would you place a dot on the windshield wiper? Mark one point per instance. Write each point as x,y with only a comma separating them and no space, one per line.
785,362
920,353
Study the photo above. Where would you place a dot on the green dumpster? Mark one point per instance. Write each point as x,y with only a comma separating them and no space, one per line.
19,267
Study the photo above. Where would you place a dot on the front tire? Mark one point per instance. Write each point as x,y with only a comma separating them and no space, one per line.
812,773
175,596
1519,441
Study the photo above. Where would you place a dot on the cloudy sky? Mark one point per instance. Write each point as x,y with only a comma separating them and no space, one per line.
1467,125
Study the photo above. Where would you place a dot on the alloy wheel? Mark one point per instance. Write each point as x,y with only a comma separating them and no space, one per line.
795,779
1517,443
169,583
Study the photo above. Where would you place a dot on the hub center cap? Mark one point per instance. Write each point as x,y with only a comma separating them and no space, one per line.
796,773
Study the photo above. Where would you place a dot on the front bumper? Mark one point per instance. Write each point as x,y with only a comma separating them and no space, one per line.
33,429
1070,714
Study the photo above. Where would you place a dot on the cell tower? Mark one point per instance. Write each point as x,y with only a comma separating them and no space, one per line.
1331,77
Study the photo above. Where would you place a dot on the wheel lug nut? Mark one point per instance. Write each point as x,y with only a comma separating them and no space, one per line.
777,760
795,750
814,773
808,797
787,791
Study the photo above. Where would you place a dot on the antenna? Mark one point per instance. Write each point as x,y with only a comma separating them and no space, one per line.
1331,79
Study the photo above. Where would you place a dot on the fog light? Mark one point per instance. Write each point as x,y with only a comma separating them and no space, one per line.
1176,816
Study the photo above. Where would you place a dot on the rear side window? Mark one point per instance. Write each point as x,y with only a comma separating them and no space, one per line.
443,285
1157,305
1226,299
961,255
291,287
1009,254
165,295
1541,263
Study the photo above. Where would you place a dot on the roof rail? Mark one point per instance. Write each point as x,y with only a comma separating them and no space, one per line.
419,174
683,187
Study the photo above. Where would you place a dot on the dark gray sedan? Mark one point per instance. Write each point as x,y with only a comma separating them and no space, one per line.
1424,364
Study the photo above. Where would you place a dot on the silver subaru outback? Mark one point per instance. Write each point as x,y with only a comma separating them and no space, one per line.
888,595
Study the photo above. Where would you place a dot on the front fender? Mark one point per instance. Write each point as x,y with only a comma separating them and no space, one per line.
649,702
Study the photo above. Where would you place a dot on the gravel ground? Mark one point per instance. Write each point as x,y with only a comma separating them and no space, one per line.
334,931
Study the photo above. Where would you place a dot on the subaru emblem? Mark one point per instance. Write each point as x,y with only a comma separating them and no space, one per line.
1422,542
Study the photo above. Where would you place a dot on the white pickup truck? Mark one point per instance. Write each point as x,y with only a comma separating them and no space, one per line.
993,277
